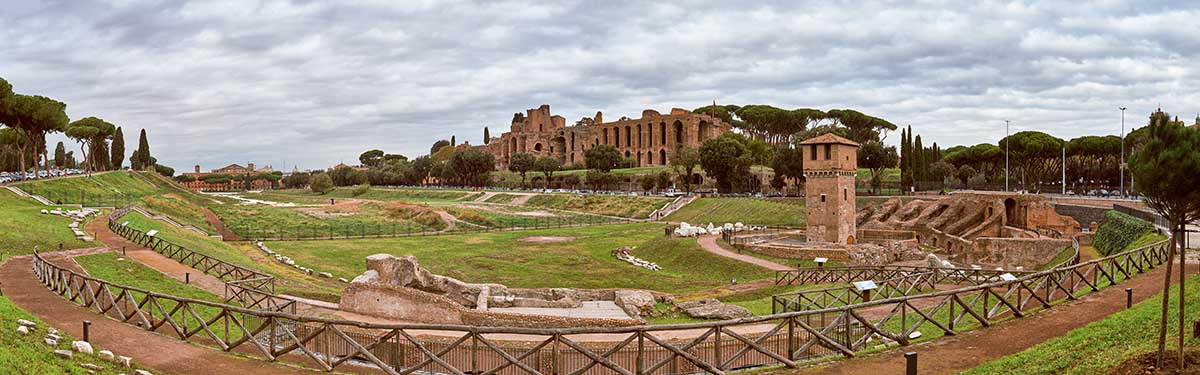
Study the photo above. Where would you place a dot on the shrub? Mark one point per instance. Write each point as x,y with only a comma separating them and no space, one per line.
1118,231
360,189
322,184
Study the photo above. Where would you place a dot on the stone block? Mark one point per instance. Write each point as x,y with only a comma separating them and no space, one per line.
125,361
82,347
106,355
65,354
26,323
23,330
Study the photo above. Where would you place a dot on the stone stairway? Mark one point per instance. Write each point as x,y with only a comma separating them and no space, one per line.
23,194
670,208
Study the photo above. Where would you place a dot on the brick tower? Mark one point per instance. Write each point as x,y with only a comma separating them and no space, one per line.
830,164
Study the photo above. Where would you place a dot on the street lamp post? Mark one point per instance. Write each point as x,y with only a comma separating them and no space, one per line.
1006,142
1122,151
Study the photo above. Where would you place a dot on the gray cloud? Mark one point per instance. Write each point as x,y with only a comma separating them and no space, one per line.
313,83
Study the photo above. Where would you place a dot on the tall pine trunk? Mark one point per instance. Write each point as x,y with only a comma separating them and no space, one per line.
1162,326
1182,238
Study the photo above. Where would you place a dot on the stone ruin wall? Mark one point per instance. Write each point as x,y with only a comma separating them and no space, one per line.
977,228
398,288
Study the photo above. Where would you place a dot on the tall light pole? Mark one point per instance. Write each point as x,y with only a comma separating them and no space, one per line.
1122,151
1006,141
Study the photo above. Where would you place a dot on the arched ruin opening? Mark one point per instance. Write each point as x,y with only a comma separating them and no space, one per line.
1010,212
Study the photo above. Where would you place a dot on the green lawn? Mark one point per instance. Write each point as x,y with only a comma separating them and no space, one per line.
289,280
610,205
121,188
258,220
27,354
1099,346
23,226
750,211
584,262
502,198
499,216
380,194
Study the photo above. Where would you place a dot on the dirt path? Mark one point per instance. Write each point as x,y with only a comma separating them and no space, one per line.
970,349
219,225
709,243
153,259
161,353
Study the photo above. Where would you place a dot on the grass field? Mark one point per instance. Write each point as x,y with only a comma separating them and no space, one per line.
290,281
23,226
582,262
502,198
1099,346
610,205
257,220
120,188
745,210
379,194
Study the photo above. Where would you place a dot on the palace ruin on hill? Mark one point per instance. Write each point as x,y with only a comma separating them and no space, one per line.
649,140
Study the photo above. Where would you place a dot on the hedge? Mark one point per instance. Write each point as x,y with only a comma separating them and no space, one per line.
1118,231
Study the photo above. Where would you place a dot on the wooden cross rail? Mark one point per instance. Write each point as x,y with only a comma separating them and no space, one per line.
718,347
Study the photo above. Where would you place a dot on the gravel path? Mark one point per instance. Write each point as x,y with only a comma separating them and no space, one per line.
709,243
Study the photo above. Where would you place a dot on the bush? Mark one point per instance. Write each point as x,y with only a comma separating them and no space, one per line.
322,184
360,190
1118,231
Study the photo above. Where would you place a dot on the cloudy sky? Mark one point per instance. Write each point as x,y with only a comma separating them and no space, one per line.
313,83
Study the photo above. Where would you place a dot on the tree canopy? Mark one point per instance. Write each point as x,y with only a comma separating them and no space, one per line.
521,163
89,131
602,158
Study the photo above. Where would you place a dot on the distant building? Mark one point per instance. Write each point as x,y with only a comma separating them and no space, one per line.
233,170
362,168
649,140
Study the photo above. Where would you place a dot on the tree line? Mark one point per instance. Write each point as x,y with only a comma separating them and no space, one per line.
28,119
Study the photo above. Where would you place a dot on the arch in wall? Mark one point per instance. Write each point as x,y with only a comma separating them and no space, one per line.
639,141
605,131
697,179
850,240
650,157
628,136
617,136
537,148
1010,211
704,131
572,158
662,131
678,132
513,149
572,141
662,156
558,147
649,135
627,154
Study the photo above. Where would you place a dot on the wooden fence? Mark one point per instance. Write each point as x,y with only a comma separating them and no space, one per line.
785,339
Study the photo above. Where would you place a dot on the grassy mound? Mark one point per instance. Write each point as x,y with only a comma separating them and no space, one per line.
23,226
610,205
1100,346
745,210
1118,231
501,257
289,280
348,218
502,198
374,193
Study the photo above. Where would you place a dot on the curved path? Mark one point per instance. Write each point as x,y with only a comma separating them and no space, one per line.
149,349
710,244
953,354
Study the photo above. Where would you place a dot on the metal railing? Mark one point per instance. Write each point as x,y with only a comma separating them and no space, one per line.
246,286
784,339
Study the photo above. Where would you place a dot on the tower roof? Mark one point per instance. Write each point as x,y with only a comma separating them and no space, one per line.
829,138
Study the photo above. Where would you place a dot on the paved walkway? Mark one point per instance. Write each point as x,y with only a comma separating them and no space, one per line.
949,355
710,244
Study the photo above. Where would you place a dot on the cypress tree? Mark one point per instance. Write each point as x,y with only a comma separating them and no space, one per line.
141,156
118,149
452,142
486,137
60,155
918,171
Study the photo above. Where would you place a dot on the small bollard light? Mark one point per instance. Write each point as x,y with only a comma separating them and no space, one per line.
1128,297
187,277
122,250
1196,329
733,281
60,246
87,324
910,363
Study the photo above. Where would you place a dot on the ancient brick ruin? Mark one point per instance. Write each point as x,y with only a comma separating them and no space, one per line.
649,140
988,229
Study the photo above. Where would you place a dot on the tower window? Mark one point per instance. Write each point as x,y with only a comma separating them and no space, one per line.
822,198
828,152
845,195
813,148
